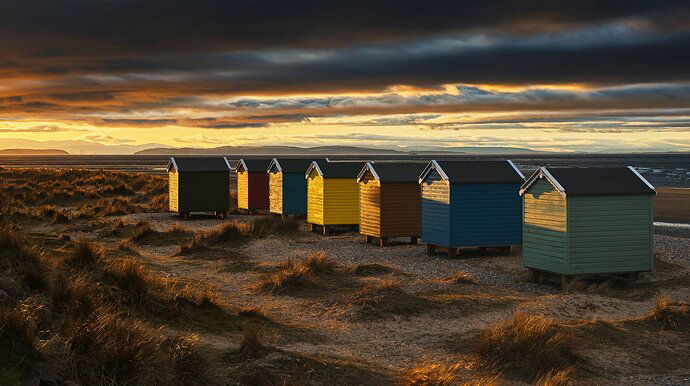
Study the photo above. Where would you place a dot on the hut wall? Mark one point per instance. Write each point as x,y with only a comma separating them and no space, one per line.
275,194
173,188
400,210
485,215
435,210
204,192
370,206
258,190
341,201
315,197
544,228
610,234
294,194
243,190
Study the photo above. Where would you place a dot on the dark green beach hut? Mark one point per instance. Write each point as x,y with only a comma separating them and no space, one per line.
200,184
579,221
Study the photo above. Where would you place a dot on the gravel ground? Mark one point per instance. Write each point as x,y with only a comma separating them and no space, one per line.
673,249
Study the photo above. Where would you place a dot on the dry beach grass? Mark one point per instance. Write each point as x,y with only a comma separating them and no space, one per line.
99,285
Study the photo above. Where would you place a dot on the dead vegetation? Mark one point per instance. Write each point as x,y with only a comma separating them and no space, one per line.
526,347
670,315
460,277
434,374
84,310
60,196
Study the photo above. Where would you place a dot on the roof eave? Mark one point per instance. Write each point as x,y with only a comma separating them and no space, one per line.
367,166
314,165
434,165
542,172
275,162
642,178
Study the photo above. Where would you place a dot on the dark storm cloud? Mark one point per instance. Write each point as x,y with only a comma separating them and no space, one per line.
85,27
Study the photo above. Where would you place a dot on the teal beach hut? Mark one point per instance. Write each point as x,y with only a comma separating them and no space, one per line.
471,204
287,186
587,221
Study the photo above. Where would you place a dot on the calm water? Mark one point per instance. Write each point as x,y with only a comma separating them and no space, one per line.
663,170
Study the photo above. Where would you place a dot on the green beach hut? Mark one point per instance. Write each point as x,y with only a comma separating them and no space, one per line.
580,221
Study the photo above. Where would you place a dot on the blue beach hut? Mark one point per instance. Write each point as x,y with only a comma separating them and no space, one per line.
471,204
287,186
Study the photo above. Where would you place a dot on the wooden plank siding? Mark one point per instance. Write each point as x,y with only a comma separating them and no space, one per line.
341,201
545,241
243,190
294,194
315,194
173,188
252,190
485,215
370,206
435,193
401,209
610,234
275,191
203,192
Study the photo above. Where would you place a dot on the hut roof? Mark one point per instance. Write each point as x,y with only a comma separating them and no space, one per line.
199,164
393,171
291,165
593,181
475,172
253,165
336,169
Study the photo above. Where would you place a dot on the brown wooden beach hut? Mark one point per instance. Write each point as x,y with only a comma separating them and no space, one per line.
390,201
252,184
199,184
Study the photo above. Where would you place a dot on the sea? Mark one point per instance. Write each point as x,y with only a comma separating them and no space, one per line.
662,170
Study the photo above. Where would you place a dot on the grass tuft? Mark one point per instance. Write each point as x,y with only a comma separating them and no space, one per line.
293,276
18,338
251,345
383,300
84,255
434,374
526,346
558,377
669,315
460,277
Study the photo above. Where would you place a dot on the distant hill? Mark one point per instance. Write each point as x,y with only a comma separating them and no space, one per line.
268,150
329,150
33,152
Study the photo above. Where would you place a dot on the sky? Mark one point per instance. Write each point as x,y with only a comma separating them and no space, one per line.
114,76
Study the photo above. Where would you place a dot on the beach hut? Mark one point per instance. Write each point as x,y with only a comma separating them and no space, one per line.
199,185
389,201
333,194
471,204
587,221
287,186
252,184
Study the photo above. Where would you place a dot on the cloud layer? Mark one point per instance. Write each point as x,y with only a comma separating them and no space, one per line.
207,65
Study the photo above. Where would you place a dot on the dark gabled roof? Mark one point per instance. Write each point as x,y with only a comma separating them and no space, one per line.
199,164
476,172
593,181
336,169
394,171
293,165
253,165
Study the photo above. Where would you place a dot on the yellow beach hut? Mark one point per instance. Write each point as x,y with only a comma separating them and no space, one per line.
333,194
